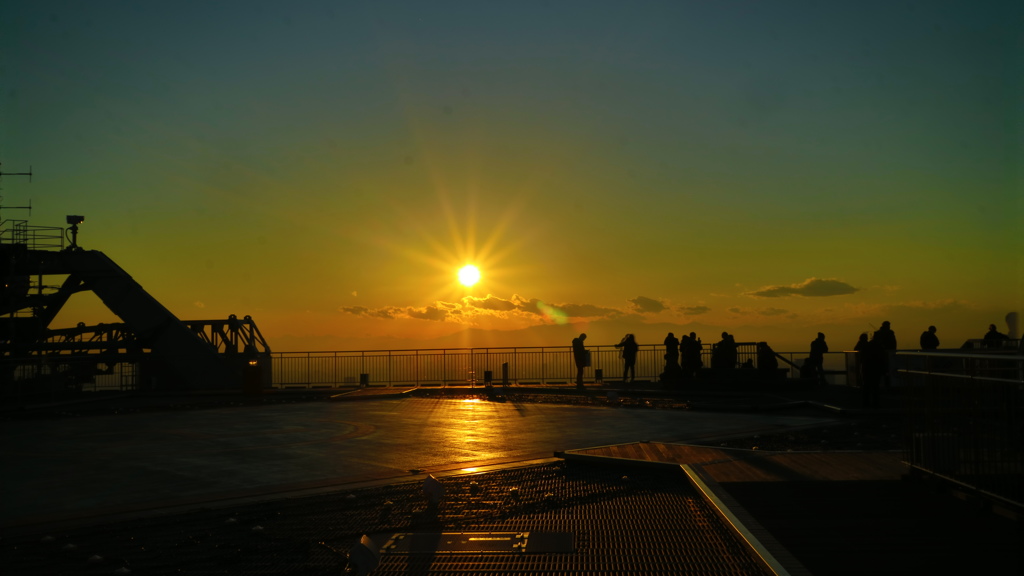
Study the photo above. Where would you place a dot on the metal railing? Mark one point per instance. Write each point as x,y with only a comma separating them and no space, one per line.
382,368
469,366
965,419
33,237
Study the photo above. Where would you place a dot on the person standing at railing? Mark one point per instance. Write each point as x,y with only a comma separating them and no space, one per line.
929,341
816,359
580,356
671,349
629,352
994,338
767,363
724,353
874,365
689,350
885,338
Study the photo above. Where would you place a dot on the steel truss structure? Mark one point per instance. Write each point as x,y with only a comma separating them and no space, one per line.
151,347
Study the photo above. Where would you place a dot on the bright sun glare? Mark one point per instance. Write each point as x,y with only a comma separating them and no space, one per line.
469,275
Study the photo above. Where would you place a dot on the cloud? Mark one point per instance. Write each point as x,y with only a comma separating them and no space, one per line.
472,307
531,305
560,312
587,311
694,310
772,312
429,313
388,312
491,302
645,305
812,287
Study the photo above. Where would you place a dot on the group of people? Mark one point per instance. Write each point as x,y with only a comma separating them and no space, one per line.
683,357
876,361
688,349
877,356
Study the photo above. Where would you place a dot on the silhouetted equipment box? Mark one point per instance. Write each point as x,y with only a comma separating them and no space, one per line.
252,379
479,543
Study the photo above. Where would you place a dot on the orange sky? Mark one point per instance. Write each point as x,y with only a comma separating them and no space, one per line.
770,171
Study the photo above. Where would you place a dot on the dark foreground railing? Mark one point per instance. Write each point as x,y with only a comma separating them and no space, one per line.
965,420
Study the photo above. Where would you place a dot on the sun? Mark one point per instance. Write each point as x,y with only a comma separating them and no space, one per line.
469,275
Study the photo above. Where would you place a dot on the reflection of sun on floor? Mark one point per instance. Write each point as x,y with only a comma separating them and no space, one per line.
467,430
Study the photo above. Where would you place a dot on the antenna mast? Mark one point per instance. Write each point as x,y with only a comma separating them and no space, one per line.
29,174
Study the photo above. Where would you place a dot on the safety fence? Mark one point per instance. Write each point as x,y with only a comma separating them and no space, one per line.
965,419
93,372
470,366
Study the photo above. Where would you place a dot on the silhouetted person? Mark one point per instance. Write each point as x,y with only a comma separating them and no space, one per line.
672,373
994,338
629,351
579,354
816,358
671,349
874,361
723,354
686,344
861,346
862,342
767,363
929,341
690,350
886,339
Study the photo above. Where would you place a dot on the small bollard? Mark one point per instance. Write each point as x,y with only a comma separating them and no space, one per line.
504,374
599,375
433,490
488,378
364,380
363,557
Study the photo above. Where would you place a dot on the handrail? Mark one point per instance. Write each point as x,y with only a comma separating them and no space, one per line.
447,366
963,414
34,237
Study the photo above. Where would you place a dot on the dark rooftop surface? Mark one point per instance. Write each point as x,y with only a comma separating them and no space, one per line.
823,492
620,520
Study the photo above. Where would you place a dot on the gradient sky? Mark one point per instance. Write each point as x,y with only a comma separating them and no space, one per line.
768,168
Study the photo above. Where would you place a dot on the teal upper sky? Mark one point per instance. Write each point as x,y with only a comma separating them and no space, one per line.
877,144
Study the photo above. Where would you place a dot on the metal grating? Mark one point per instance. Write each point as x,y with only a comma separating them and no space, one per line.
622,521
